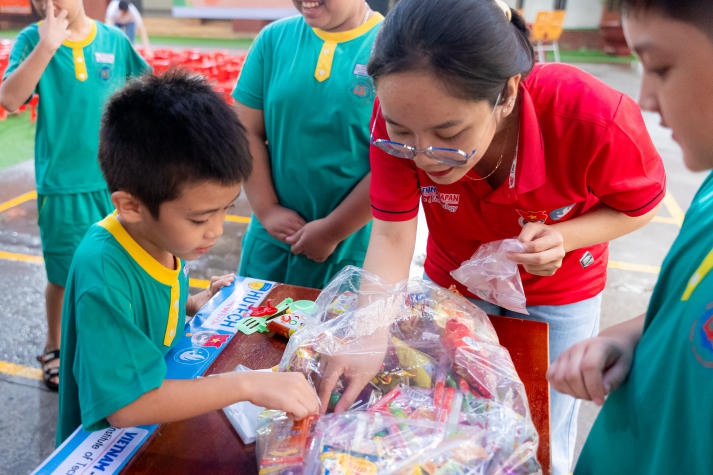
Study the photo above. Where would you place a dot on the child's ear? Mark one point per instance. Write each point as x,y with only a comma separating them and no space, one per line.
128,207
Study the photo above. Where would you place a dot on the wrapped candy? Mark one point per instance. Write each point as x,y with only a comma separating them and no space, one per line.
446,398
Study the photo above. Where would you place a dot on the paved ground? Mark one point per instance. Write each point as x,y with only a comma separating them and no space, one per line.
28,420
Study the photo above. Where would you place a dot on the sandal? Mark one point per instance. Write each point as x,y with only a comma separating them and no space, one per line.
50,371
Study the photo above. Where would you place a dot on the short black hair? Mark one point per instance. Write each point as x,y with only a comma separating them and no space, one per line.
123,5
160,133
698,13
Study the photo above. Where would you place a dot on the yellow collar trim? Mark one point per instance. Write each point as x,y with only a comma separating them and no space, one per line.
323,69
86,41
154,268
347,35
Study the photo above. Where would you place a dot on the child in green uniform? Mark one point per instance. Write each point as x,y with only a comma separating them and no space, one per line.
74,63
305,99
174,156
656,371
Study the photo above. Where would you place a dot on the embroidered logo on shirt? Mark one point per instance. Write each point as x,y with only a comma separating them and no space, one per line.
104,73
701,337
104,58
448,201
363,88
531,217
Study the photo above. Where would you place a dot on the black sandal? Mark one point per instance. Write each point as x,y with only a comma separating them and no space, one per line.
50,374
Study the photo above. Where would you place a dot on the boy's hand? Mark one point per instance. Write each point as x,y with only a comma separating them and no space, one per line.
313,240
592,368
195,302
218,282
289,392
54,30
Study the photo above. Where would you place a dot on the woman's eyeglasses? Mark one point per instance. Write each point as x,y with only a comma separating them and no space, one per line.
453,157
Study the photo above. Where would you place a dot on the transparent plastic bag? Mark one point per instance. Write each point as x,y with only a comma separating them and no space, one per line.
446,396
492,277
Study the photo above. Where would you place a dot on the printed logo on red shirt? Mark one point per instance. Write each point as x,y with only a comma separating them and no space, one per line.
448,201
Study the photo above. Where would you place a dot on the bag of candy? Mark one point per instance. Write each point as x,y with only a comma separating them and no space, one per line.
445,399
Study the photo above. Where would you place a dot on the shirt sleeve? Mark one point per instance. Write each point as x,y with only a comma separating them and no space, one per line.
136,65
394,191
25,42
628,174
132,364
249,89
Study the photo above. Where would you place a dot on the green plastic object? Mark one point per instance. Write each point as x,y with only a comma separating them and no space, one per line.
305,307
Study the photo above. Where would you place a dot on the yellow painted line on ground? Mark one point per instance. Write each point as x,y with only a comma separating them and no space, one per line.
666,220
634,267
12,256
13,369
30,195
237,219
673,208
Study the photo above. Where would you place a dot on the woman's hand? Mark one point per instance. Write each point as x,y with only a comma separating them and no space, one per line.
356,364
544,249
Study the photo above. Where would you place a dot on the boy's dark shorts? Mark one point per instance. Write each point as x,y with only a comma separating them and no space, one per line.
63,220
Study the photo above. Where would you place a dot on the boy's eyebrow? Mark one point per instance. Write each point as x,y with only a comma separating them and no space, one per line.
209,211
643,47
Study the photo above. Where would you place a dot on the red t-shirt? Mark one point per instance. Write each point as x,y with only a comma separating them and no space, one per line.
582,144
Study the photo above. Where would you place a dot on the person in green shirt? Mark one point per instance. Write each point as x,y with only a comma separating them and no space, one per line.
305,99
654,373
174,156
74,64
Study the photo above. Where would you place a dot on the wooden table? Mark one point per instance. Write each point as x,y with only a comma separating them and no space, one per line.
209,444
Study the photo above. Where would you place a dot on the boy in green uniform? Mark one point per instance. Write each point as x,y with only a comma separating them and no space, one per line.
127,291
74,63
654,373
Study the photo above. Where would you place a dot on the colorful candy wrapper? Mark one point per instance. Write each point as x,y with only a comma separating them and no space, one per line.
446,400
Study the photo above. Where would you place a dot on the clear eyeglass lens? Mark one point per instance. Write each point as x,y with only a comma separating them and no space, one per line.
395,149
447,157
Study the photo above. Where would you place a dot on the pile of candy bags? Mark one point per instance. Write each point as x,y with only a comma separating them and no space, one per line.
446,399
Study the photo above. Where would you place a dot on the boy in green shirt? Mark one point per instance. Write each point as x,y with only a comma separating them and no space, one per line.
653,374
174,156
74,63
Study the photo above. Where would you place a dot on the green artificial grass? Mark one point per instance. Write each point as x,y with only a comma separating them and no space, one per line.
222,43
17,139
589,56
